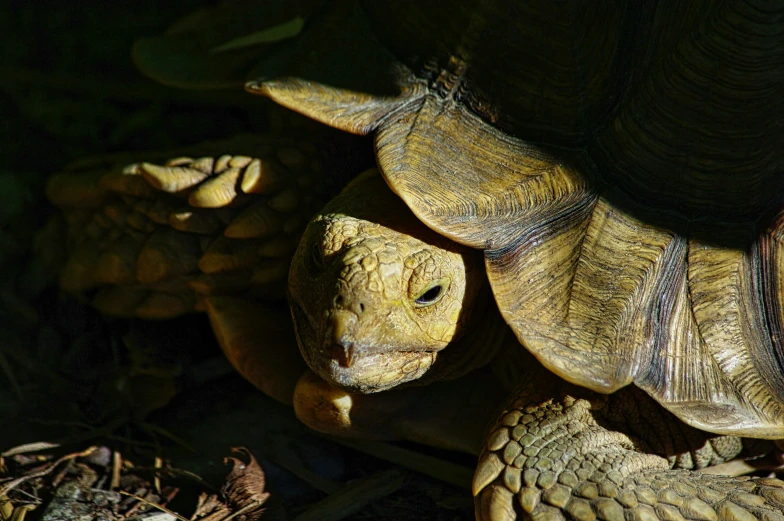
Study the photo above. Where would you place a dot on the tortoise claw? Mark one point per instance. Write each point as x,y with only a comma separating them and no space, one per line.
496,503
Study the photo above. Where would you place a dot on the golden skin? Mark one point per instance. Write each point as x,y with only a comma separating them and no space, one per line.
375,302
553,446
557,451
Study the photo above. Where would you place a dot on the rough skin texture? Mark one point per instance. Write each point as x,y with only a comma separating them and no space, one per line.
154,238
578,455
376,297
556,452
210,227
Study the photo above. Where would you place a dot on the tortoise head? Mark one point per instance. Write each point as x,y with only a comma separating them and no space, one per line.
376,296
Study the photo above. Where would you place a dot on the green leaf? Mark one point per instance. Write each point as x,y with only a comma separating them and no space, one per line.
277,33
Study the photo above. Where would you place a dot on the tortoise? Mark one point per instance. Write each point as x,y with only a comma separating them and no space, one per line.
624,452
622,183
381,302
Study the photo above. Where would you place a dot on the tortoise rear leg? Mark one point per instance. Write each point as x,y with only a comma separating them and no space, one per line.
585,457
223,218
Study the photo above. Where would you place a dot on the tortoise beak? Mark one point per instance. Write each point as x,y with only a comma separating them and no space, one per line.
342,326
340,337
344,355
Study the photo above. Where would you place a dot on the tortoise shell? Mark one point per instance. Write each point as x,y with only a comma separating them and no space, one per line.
619,164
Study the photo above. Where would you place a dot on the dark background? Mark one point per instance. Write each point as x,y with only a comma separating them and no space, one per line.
68,89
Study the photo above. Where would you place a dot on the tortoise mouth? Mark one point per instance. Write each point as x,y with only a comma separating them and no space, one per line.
355,367
370,372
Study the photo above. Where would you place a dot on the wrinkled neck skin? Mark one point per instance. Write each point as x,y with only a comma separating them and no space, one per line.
380,301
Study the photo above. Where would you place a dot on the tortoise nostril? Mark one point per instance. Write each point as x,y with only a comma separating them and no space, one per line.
349,304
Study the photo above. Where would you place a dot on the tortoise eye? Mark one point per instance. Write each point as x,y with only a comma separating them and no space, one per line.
429,296
432,294
317,256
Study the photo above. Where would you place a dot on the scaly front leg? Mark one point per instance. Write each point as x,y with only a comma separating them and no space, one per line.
584,456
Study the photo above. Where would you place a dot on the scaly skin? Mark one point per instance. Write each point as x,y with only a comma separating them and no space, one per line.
208,227
153,238
557,451
213,227
377,297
